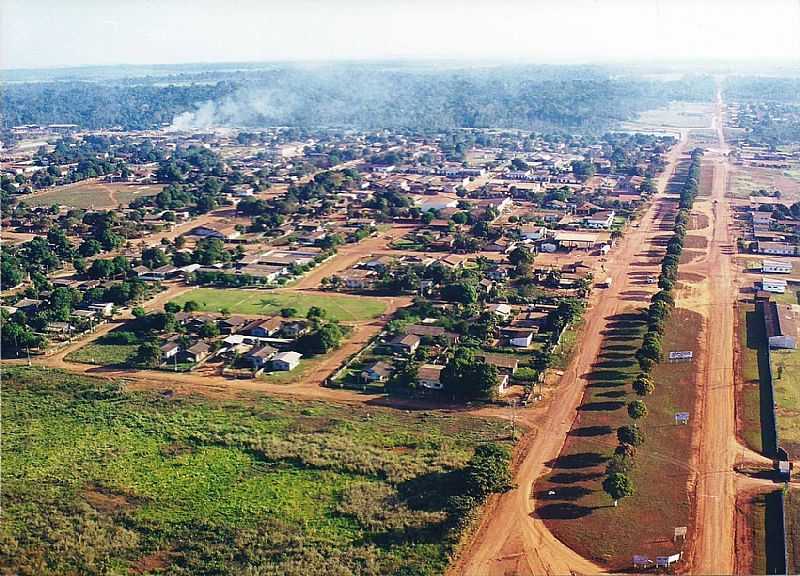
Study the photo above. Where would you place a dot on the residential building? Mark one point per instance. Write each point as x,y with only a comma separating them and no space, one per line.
286,361
429,376
378,371
780,322
405,343
776,266
774,285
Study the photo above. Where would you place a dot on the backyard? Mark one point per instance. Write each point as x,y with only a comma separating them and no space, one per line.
99,480
262,302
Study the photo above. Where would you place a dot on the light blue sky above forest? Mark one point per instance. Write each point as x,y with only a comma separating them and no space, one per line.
44,33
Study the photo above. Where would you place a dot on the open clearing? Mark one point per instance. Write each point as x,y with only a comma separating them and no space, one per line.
676,115
786,374
238,301
747,180
579,512
96,195
96,477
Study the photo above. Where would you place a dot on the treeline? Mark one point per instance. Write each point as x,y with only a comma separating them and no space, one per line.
95,106
361,96
617,483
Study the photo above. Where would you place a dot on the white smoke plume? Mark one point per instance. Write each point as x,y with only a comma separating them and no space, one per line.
250,107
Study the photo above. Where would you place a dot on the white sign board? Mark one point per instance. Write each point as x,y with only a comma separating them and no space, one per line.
681,417
680,532
678,356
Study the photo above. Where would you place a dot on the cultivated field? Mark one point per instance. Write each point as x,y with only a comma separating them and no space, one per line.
96,195
237,301
786,374
98,480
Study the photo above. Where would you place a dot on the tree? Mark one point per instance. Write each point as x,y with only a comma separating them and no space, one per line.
521,257
637,409
139,312
643,385
191,306
316,313
172,307
630,434
465,377
288,312
488,471
209,330
325,338
154,257
149,354
463,292
10,271
618,486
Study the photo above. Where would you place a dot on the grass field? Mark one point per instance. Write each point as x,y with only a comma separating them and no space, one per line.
238,301
750,336
748,180
580,513
793,529
103,354
94,194
786,381
100,481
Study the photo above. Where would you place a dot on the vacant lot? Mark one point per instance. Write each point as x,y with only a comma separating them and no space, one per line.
746,181
103,354
100,481
579,512
238,301
675,115
750,339
786,379
94,194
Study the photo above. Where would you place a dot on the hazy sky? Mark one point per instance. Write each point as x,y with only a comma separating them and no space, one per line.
42,33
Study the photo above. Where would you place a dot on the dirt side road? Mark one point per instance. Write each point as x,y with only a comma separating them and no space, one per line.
511,539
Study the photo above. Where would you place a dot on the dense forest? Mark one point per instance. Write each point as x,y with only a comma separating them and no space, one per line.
365,96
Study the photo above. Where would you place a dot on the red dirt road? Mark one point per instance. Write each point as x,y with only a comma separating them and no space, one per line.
511,539
713,550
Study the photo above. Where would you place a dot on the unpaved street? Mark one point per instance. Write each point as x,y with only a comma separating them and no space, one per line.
511,539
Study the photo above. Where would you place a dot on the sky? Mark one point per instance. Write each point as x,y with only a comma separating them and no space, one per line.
58,33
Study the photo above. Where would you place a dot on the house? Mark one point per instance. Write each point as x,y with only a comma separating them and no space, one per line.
169,350
266,272
294,328
357,279
28,305
602,219
378,371
221,232
505,363
776,248
232,324
774,285
776,266
503,311
198,352
587,209
405,343
533,232
286,361
88,315
780,322
266,328
105,309
428,376
260,356
517,336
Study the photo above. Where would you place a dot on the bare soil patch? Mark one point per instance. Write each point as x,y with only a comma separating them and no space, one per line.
695,242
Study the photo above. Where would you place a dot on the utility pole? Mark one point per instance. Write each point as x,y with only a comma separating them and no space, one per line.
513,419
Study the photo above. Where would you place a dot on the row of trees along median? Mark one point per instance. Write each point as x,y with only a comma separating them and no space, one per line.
618,483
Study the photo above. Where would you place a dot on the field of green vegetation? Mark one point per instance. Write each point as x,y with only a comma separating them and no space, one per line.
793,529
238,301
786,380
93,194
580,512
750,337
101,481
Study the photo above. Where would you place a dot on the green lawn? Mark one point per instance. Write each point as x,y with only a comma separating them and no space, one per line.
239,301
103,354
786,380
100,481
580,513
793,529
750,335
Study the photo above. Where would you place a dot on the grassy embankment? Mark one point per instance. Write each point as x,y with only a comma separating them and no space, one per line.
98,480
